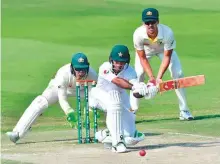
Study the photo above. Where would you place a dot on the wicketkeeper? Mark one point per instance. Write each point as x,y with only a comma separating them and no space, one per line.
115,77
59,89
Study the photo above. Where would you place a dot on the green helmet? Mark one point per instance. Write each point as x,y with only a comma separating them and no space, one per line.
120,53
79,60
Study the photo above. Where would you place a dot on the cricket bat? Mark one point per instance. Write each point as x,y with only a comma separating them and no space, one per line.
185,82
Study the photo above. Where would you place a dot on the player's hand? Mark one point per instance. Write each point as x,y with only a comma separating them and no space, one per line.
152,80
140,88
158,81
138,85
152,92
71,118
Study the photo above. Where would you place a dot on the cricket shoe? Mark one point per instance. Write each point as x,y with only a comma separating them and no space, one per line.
131,141
13,136
185,115
119,148
107,142
101,135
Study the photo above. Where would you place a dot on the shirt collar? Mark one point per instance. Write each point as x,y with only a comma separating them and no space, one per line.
159,35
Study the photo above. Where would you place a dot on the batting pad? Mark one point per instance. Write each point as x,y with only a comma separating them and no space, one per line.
38,105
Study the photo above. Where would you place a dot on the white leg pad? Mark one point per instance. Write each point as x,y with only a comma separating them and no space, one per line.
114,117
38,105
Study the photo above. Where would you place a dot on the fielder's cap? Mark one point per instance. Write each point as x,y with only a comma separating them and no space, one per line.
79,60
150,14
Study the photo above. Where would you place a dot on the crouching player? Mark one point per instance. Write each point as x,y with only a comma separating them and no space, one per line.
59,89
115,77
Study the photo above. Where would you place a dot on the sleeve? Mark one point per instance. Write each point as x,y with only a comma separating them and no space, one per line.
138,41
106,73
92,74
62,92
131,75
170,42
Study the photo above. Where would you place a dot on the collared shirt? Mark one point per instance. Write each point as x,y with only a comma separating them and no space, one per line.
66,83
164,40
106,76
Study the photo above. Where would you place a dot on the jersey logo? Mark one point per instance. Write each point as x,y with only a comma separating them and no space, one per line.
172,43
106,71
160,42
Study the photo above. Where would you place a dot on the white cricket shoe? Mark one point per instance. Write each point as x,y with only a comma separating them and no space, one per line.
131,141
107,142
13,136
119,148
102,134
185,115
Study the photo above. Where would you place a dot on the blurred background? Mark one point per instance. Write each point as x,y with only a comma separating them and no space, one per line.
40,36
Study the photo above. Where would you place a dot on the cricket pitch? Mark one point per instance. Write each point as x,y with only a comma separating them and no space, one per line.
61,147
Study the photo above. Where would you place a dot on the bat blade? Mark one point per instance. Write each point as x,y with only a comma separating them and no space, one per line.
181,83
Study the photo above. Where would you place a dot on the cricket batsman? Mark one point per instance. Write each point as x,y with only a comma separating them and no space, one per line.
59,89
154,39
109,95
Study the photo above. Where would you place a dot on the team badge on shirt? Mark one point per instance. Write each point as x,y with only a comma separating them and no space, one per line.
106,71
159,42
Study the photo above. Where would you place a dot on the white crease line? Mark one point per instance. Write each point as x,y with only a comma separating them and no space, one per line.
195,135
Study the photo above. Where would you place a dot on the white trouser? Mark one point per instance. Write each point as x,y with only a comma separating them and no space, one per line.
175,71
99,99
37,107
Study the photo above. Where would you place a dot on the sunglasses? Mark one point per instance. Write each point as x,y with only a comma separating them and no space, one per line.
80,69
150,22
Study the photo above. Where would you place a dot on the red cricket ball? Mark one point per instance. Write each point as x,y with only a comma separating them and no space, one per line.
142,152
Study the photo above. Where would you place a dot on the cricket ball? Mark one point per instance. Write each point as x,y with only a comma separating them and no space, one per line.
142,152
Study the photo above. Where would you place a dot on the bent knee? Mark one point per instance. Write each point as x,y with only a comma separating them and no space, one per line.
177,74
41,102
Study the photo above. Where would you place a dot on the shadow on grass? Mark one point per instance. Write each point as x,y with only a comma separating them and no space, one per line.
186,144
155,120
171,119
75,140
152,134
207,117
47,141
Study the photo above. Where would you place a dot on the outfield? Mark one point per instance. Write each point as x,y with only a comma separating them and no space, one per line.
40,36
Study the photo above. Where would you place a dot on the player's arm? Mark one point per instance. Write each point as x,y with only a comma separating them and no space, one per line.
145,64
139,47
169,45
165,63
62,97
122,83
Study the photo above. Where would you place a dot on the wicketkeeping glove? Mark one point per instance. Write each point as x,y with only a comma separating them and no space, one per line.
71,118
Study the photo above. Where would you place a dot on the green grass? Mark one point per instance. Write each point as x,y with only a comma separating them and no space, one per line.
39,36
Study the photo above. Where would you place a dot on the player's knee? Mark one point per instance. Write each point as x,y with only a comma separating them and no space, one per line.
93,103
40,102
177,74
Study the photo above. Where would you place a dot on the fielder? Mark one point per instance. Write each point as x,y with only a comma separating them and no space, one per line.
154,39
115,76
59,89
